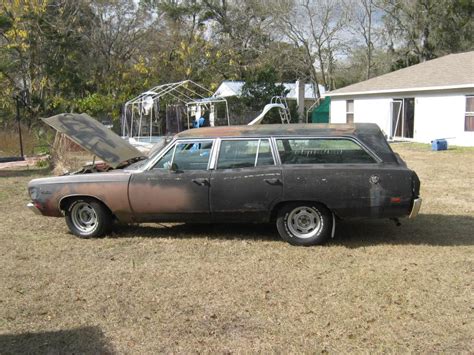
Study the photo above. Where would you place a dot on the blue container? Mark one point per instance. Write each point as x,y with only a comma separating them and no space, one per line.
439,144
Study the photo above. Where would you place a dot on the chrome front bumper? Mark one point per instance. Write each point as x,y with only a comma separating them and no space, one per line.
33,208
416,207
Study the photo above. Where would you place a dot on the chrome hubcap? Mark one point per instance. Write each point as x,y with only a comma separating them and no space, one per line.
304,222
84,217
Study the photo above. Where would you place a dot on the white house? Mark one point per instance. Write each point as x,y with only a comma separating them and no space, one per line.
427,101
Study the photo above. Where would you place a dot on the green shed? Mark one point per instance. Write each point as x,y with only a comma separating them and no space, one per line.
321,113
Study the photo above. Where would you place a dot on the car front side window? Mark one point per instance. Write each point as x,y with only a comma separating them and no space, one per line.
186,156
165,160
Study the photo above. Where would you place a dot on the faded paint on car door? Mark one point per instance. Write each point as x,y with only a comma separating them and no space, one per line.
177,188
240,192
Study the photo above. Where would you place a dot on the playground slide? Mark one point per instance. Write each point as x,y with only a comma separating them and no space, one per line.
267,108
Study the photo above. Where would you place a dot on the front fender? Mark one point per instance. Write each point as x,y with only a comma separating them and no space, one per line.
50,194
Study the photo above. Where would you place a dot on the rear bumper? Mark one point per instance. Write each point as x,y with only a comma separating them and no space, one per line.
33,208
416,207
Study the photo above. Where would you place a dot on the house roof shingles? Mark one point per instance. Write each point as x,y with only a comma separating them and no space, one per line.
450,71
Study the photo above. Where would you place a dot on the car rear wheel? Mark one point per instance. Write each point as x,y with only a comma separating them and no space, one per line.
87,218
304,223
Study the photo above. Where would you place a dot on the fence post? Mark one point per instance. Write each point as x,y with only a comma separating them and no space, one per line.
17,99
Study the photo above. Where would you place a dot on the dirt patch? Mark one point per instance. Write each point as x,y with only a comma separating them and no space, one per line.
27,163
191,288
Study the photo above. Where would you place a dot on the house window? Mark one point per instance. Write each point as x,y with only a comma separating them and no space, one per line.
469,117
350,111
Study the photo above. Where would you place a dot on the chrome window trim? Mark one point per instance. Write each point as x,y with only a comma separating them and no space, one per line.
174,152
275,153
159,155
354,140
214,152
275,161
212,165
256,153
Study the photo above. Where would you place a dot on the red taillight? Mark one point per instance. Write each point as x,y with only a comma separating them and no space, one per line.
395,200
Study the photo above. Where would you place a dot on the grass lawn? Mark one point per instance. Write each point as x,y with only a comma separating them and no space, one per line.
229,288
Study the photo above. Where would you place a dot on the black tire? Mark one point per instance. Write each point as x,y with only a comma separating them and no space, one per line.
88,218
304,223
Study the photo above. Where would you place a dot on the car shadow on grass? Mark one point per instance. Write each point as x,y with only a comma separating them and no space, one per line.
426,229
85,340
199,230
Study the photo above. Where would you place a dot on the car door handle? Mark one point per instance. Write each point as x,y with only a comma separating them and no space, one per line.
202,181
273,181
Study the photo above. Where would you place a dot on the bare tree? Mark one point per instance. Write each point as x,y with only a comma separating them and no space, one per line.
363,24
241,26
412,21
315,27
119,33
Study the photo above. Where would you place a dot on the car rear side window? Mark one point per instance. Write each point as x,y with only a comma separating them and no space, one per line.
234,154
322,151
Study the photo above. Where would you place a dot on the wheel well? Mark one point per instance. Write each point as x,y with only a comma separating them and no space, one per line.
279,205
66,201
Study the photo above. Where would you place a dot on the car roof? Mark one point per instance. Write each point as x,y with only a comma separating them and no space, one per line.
368,133
277,130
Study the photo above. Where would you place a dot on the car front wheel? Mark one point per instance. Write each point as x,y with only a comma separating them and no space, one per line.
304,223
87,218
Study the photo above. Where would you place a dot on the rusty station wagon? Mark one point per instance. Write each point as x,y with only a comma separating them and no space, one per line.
302,177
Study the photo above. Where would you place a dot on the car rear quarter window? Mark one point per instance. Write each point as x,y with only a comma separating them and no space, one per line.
243,153
322,151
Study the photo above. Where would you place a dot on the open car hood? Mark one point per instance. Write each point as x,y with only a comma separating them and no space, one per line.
94,137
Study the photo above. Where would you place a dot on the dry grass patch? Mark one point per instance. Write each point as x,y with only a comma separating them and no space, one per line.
186,288
34,141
